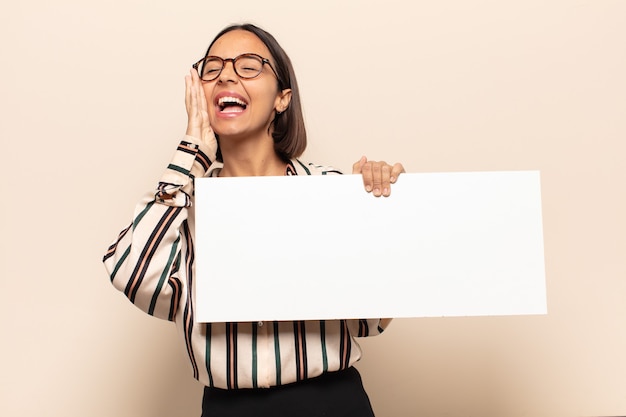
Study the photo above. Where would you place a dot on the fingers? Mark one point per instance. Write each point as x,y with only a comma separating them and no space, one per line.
358,165
381,172
198,124
187,92
396,170
363,167
201,96
195,103
190,95
377,176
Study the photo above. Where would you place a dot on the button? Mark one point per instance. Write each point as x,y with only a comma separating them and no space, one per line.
260,324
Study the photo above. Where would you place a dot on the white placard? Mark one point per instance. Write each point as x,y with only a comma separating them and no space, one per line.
320,247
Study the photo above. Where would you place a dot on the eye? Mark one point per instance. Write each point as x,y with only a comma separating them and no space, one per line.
249,66
212,67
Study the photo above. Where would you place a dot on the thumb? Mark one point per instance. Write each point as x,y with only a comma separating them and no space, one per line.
357,167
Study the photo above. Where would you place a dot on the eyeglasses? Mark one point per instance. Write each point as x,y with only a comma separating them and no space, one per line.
245,65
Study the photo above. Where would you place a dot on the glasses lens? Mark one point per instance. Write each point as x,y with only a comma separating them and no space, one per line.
248,66
210,68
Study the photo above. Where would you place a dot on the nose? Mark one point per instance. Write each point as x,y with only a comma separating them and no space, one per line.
228,71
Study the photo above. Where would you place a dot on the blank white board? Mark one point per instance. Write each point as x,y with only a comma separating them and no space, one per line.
320,247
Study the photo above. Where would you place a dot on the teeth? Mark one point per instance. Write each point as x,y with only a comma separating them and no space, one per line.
230,100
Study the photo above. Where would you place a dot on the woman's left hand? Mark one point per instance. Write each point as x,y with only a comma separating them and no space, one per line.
377,175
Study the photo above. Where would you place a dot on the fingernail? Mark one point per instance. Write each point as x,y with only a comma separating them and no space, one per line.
376,191
392,179
386,191
368,188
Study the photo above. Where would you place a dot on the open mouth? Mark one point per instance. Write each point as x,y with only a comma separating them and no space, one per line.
231,104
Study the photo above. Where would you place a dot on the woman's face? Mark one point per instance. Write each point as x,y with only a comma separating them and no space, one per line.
256,99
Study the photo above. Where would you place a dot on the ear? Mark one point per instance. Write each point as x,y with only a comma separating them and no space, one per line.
282,100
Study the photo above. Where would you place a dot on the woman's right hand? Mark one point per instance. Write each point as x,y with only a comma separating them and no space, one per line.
198,125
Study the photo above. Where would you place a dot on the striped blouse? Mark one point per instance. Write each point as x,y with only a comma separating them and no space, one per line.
152,263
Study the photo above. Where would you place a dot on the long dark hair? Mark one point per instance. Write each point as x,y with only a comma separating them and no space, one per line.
289,133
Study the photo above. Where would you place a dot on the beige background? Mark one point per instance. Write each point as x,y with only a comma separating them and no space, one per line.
92,108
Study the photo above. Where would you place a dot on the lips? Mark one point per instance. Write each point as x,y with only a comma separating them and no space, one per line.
229,102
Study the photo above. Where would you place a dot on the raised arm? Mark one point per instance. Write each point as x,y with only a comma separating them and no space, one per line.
147,261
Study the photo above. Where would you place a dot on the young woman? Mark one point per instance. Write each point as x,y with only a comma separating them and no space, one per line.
244,119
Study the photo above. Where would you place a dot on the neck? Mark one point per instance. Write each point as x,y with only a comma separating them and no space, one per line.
250,158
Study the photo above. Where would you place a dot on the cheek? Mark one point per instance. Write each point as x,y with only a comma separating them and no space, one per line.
208,91
268,96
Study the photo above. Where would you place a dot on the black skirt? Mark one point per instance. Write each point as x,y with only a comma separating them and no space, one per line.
335,394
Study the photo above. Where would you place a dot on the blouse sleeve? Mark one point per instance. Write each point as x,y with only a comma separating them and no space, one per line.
145,260
367,327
